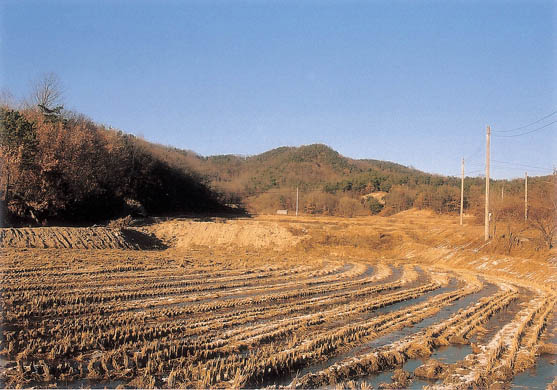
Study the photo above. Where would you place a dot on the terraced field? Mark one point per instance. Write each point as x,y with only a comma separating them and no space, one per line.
200,319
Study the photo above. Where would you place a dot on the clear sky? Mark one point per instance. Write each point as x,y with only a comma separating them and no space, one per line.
414,82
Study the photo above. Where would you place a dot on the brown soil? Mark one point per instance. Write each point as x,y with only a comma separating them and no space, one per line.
248,233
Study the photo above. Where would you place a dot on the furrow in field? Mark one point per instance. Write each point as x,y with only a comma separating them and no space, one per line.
509,352
205,321
162,278
219,300
419,344
83,341
295,356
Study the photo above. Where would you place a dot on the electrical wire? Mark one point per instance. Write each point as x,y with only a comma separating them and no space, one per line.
522,165
474,164
525,126
527,132
475,171
479,149
505,167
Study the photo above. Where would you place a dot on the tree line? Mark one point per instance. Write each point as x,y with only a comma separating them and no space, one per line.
60,167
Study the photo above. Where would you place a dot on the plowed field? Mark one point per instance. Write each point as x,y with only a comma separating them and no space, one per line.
202,312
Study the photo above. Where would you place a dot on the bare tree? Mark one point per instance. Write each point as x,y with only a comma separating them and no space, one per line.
47,92
543,220
7,100
542,213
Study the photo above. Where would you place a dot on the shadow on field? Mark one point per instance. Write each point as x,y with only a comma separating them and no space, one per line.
142,240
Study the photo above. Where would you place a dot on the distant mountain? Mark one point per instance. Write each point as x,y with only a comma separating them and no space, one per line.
311,167
267,181
329,183
66,168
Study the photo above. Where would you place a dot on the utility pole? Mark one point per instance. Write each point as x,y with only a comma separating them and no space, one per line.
502,194
462,192
525,196
555,179
296,201
486,221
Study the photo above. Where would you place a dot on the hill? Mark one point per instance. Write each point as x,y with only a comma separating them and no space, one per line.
332,184
310,167
329,182
63,168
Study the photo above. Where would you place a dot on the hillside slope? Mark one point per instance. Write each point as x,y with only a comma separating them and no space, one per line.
311,167
64,168
329,183
332,184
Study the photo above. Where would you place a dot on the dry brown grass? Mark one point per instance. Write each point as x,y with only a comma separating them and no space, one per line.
422,237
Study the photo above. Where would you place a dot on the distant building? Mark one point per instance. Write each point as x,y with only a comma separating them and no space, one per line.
282,212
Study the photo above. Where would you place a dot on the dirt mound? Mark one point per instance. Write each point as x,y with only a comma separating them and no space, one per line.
238,233
77,238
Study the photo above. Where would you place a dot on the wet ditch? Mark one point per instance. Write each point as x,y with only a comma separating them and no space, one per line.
545,369
450,353
499,319
386,339
453,353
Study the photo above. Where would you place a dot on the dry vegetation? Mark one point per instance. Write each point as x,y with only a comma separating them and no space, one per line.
305,302
60,168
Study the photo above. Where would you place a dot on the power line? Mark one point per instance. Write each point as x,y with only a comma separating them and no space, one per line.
286,191
522,165
467,158
528,125
475,164
476,170
506,167
470,172
527,132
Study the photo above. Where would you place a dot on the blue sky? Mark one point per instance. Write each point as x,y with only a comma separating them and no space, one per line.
410,82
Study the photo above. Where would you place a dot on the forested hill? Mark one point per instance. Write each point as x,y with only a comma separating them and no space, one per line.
330,183
63,168
311,167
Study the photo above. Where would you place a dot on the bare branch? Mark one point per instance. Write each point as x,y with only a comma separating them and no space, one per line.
47,91
7,99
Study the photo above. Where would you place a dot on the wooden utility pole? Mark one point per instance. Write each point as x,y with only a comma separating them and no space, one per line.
502,194
296,201
525,196
555,179
462,191
486,221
